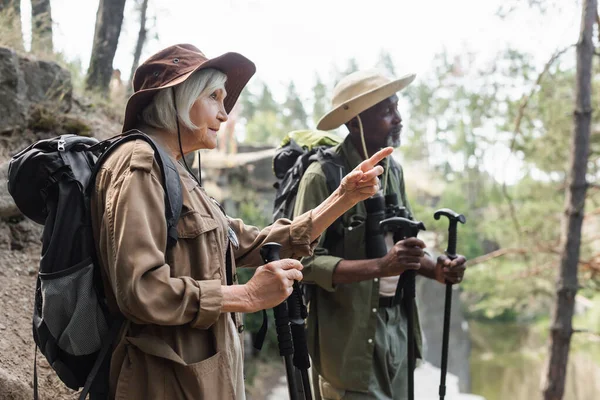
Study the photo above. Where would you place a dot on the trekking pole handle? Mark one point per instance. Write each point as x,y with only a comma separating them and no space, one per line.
453,218
270,252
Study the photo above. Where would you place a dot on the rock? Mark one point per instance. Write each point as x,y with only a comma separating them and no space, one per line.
5,237
47,84
13,92
7,205
26,82
11,388
25,233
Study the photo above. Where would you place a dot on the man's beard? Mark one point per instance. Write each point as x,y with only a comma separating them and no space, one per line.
393,139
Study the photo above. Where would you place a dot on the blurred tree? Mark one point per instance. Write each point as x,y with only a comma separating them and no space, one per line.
294,115
139,46
41,24
10,17
575,190
320,100
351,67
109,19
386,63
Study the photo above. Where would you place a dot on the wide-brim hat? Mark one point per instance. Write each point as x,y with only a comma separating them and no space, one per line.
173,65
358,92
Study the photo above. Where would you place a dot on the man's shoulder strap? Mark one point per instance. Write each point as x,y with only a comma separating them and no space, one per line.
333,166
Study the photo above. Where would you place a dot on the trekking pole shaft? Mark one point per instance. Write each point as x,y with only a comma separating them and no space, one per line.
454,218
297,325
270,252
410,323
306,385
445,340
291,379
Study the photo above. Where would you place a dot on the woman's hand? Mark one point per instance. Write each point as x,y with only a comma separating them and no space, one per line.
272,283
362,182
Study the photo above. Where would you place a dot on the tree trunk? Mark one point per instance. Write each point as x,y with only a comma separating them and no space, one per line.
106,38
141,40
11,17
41,27
567,285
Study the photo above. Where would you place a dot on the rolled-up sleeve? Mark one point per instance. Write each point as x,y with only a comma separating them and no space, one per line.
133,239
320,266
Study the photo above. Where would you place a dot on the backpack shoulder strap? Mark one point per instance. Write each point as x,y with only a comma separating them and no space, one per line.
170,179
332,165
334,170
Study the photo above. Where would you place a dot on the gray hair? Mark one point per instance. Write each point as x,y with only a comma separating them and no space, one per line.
160,113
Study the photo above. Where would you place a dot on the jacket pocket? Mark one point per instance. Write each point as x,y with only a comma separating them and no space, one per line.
152,370
354,238
192,224
197,251
207,379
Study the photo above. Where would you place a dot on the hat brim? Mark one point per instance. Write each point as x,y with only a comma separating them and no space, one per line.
351,108
238,69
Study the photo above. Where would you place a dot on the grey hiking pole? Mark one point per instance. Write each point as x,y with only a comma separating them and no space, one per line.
405,228
454,218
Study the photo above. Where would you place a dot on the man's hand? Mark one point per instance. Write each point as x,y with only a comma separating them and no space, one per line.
450,271
406,254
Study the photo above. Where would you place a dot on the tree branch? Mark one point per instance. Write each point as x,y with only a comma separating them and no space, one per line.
589,332
517,129
496,254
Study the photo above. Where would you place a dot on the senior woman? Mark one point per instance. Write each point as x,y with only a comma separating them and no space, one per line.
182,336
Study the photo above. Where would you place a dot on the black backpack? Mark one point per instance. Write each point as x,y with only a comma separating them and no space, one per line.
51,182
298,150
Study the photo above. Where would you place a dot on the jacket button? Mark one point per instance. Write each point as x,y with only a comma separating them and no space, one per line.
370,341
376,279
241,328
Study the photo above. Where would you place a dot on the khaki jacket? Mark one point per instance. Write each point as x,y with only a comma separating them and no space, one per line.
177,344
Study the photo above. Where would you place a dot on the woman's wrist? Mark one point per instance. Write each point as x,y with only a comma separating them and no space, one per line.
236,299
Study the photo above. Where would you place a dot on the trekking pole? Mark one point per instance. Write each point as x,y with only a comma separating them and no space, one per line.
270,252
298,313
453,217
404,228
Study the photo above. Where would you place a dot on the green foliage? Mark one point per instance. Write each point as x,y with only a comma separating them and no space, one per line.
43,119
294,115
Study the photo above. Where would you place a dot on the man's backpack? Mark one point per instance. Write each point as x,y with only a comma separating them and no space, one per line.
298,150
52,182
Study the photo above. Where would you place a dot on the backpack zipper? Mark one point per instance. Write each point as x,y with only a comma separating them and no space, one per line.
61,144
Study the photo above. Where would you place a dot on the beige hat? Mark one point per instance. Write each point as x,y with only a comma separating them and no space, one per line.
358,92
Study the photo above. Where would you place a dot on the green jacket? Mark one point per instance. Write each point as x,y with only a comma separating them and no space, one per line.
342,318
